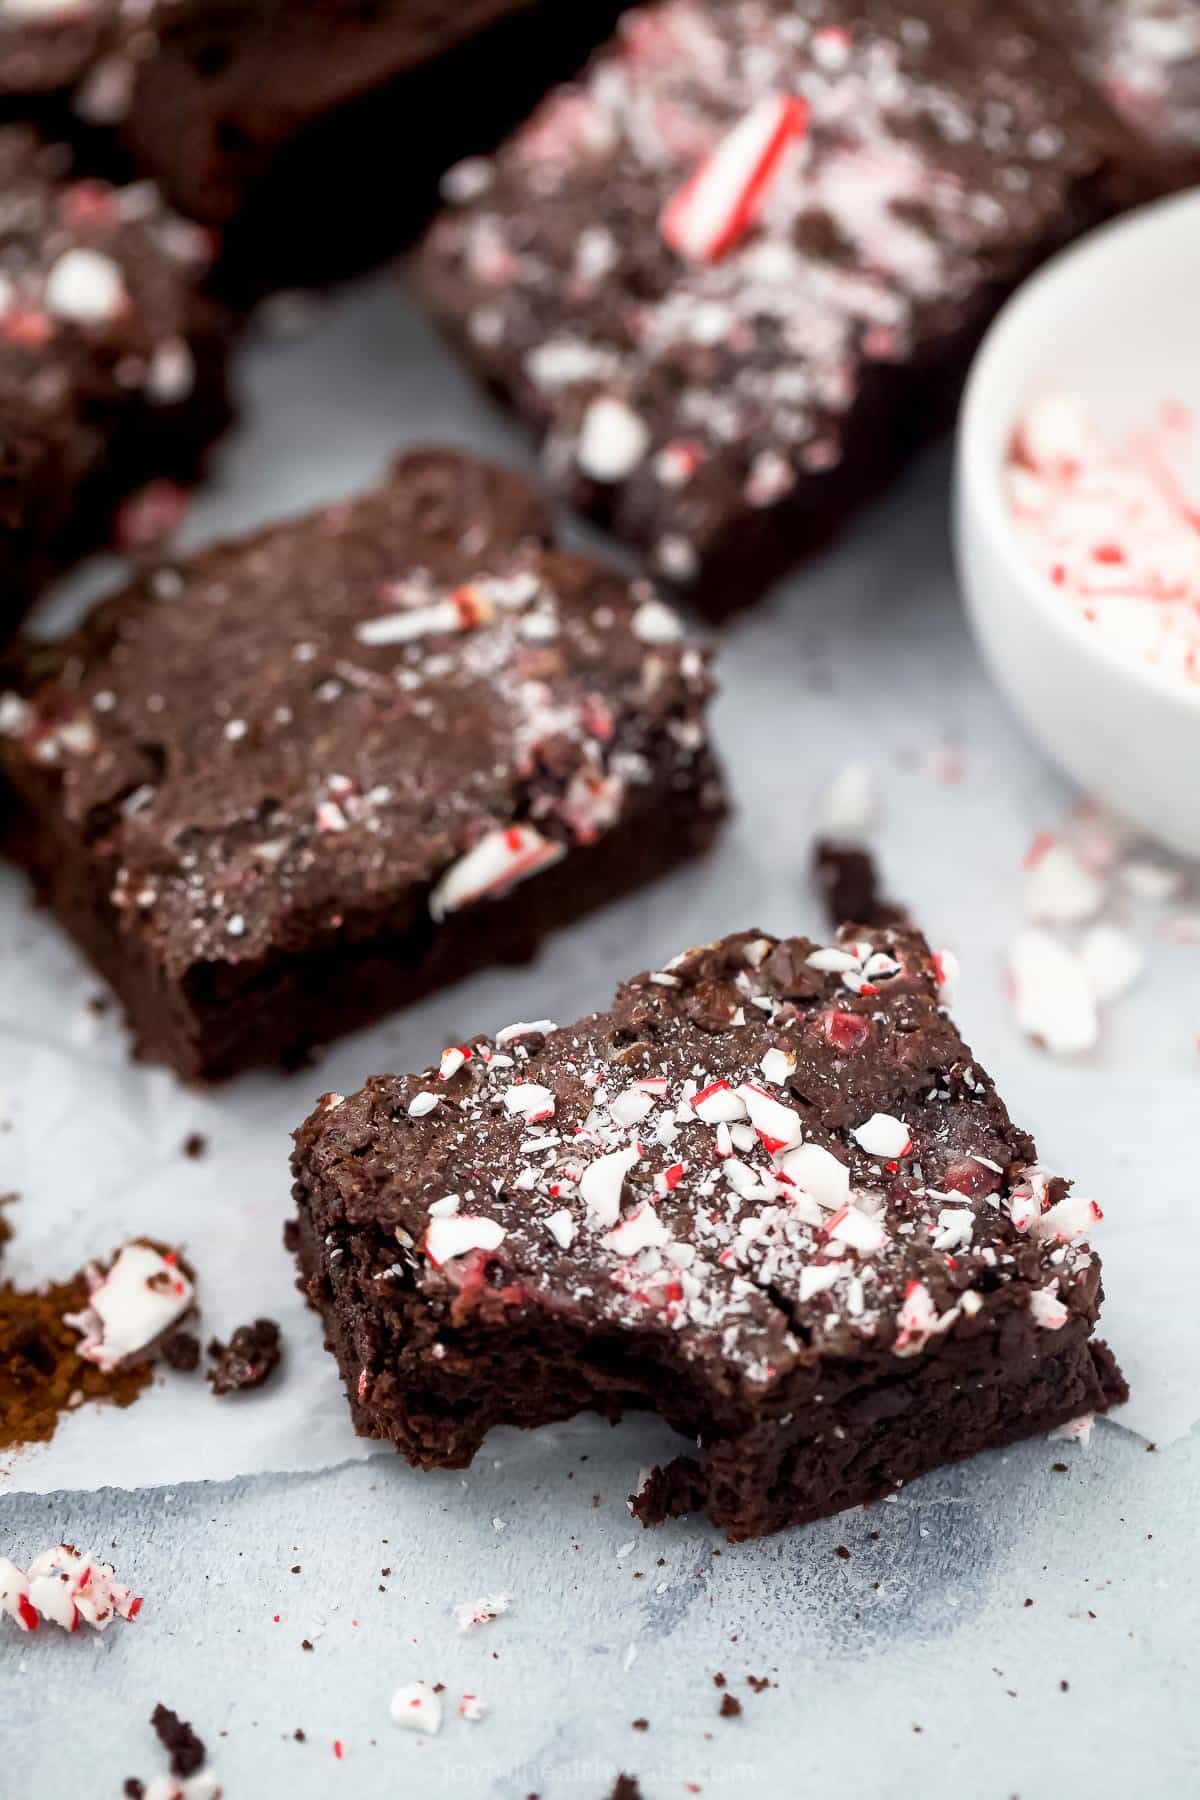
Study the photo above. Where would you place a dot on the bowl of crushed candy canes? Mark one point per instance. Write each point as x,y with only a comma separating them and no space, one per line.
1078,514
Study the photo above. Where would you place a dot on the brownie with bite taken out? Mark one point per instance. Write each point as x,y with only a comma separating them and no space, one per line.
768,1193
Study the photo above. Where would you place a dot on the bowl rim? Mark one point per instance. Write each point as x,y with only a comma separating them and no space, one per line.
979,470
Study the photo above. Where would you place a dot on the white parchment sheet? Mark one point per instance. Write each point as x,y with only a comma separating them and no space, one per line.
864,655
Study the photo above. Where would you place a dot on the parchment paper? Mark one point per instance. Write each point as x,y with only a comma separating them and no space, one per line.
864,655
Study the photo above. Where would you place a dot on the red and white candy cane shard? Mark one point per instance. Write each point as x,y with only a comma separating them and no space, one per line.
722,200
498,861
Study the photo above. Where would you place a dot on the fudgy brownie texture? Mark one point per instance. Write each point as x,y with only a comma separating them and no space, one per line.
769,1194
112,359
295,781
1144,55
733,273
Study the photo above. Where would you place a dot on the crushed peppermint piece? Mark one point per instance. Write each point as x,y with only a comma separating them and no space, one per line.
721,202
851,802
66,1587
613,440
498,862
132,1304
1047,1308
883,1135
532,1101
416,1707
1059,889
655,623
422,1104
602,1183
86,287
1052,996
447,1238
1112,962
470,1613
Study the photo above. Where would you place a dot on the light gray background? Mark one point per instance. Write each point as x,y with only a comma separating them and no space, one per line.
864,654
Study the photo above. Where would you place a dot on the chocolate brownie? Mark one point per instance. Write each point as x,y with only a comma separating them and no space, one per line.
111,357
769,1194
1144,55
733,273
314,131
290,783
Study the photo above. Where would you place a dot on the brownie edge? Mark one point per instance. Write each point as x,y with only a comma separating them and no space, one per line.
769,1194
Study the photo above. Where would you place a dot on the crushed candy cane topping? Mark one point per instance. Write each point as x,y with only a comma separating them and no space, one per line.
688,1160
131,1304
65,1587
690,262
1116,526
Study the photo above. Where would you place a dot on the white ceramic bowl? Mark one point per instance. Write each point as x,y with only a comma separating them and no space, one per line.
1116,321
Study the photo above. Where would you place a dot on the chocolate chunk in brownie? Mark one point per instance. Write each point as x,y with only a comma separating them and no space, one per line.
736,270
769,1193
292,782
111,357
247,1359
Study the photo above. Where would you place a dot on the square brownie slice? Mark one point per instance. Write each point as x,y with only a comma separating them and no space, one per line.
112,358
769,1194
313,132
289,783
735,272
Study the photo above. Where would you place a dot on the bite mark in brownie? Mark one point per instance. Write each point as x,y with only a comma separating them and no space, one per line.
735,271
111,357
769,1194
285,785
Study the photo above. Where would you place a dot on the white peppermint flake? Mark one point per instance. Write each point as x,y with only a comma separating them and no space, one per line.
1059,890
851,802
85,288
883,1135
1112,962
415,1707
1052,996
612,441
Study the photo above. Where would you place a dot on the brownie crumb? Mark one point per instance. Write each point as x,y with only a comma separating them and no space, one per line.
133,1789
731,1707
195,1145
182,1351
759,1683
1059,1468
626,1788
641,1724
299,1736
846,877
718,1679
291,1236
304,1644
246,1360
177,1738
841,1550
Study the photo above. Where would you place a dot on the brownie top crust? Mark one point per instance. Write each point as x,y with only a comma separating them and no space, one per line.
411,699
47,46
770,1150
99,298
1145,57
687,265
